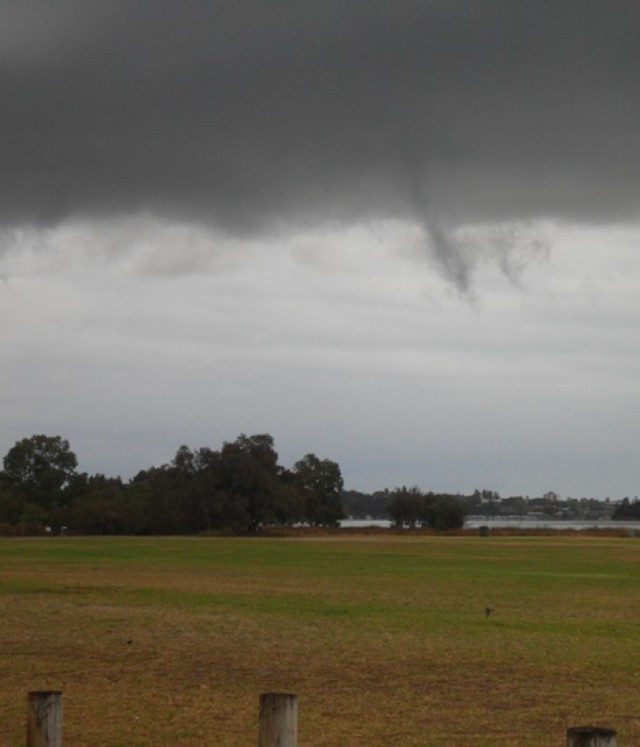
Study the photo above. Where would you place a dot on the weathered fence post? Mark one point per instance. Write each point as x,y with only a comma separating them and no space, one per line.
44,719
591,736
278,720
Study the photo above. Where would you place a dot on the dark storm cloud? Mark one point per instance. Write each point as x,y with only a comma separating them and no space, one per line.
249,112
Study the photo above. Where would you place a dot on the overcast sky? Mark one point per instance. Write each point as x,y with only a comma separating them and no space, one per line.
403,235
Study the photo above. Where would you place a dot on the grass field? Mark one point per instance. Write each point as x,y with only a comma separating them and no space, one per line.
385,640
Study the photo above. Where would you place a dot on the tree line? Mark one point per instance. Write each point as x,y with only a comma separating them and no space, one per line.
238,488
408,507
628,510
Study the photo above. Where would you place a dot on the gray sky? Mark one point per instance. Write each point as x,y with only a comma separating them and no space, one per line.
401,235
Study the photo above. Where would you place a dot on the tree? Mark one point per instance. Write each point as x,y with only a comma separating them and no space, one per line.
442,512
358,505
100,508
165,505
39,468
248,476
627,510
412,507
11,506
406,506
185,461
320,481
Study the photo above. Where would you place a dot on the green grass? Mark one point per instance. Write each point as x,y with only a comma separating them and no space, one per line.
384,639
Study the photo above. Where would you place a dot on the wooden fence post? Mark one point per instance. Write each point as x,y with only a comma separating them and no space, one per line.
278,720
591,736
44,719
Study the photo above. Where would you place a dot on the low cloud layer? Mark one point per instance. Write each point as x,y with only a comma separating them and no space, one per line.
249,115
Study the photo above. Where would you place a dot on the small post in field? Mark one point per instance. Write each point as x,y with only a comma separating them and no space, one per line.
591,736
278,720
44,719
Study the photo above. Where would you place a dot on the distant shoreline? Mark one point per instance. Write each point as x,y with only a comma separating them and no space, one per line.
511,522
